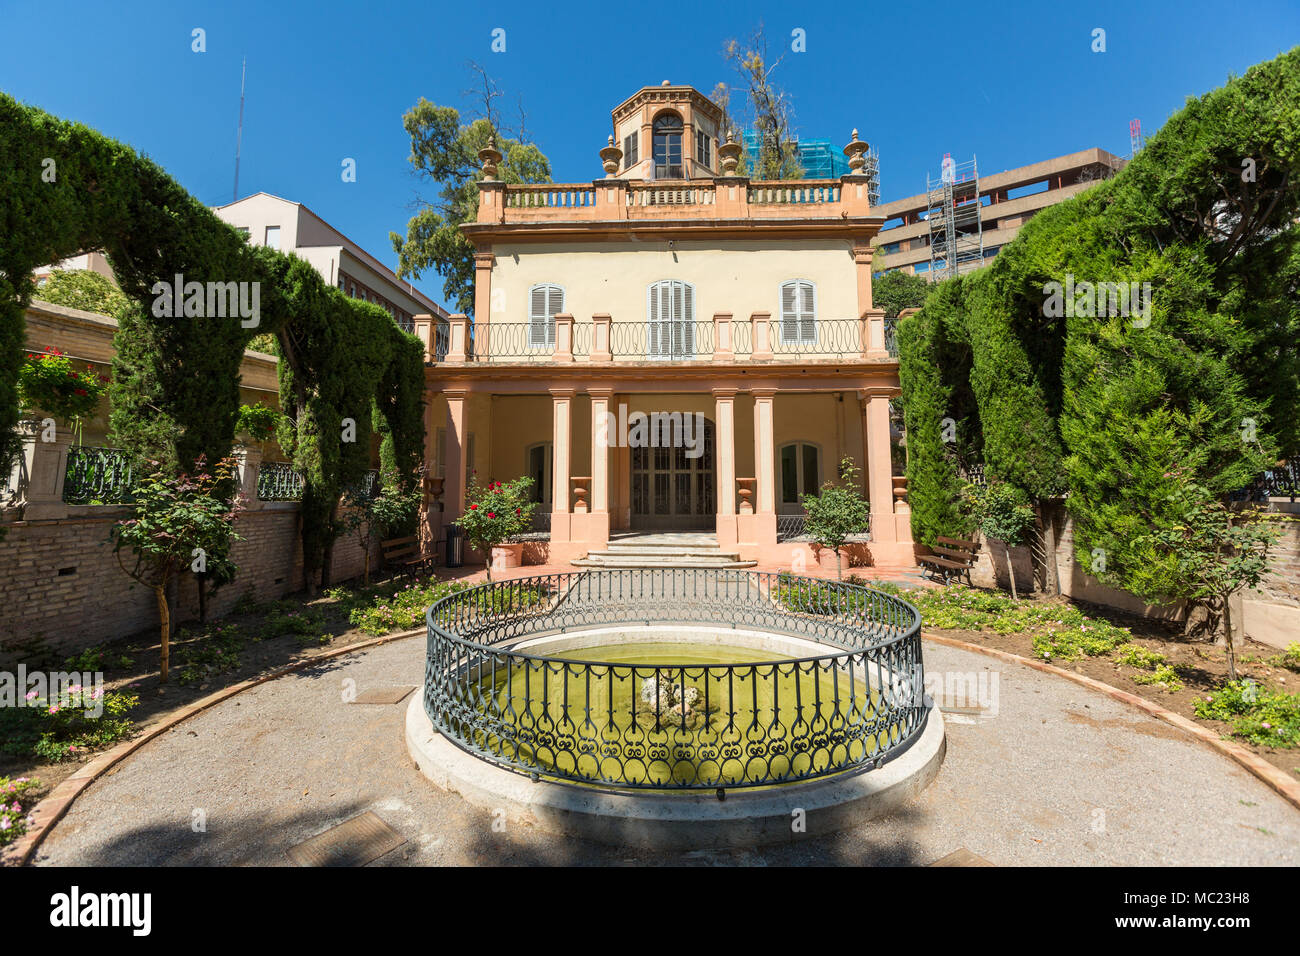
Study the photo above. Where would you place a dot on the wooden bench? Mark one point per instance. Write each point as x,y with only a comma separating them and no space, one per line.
406,556
950,558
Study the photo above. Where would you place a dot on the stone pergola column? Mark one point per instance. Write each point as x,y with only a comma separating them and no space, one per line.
45,464
598,520
879,478
765,466
454,485
724,418
562,419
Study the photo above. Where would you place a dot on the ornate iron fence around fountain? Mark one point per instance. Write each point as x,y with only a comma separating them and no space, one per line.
688,726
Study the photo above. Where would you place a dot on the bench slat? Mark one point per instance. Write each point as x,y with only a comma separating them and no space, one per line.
954,553
958,542
943,562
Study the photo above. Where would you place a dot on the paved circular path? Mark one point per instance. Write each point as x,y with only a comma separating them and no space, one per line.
1059,775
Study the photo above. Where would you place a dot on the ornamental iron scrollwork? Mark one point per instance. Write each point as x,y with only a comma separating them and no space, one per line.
687,726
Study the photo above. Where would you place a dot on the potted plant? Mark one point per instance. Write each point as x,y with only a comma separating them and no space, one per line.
47,382
256,423
838,512
495,513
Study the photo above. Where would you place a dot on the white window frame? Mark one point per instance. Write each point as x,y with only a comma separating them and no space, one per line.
544,324
679,340
804,324
266,237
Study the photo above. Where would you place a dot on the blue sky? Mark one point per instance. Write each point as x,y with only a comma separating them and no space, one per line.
330,79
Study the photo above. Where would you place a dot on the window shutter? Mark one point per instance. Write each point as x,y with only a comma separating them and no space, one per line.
789,312
653,320
807,316
686,320
798,313
544,301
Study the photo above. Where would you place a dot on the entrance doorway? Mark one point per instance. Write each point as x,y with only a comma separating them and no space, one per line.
671,491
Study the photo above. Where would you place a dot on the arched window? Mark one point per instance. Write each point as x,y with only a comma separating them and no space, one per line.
670,319
798,312
668,146
544,302
800,474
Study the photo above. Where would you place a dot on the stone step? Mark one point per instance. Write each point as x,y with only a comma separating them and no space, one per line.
650,552
621,562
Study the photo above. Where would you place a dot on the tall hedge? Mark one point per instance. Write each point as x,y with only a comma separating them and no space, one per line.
66,189
1117,412
934,367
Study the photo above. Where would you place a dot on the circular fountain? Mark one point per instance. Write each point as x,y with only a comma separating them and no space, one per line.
676,707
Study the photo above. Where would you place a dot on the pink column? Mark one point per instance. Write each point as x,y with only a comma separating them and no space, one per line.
765,468
454,486
562,416
724,421
598,521
885,543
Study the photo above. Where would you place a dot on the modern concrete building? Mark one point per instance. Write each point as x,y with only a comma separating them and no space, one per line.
674,291
292,227
1007,200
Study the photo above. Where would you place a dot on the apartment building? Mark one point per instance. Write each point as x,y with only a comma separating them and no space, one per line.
292,227
1007,201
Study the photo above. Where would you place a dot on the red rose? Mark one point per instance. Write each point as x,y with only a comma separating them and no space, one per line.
518,510
473,507
80,391
491,514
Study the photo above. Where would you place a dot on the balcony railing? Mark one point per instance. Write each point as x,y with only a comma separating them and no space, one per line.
661,341
794,192
614,199
819,337
836,339
678,194
550,196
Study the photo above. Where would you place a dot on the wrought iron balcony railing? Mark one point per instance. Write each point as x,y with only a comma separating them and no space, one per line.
687,340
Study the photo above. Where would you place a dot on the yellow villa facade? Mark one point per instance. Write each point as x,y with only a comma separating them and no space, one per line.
670,348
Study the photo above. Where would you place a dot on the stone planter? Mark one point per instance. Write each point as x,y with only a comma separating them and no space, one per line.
507,556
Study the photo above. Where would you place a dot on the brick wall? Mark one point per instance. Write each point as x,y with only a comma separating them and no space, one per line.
60,583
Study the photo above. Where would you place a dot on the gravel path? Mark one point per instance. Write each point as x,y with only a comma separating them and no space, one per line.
1060,775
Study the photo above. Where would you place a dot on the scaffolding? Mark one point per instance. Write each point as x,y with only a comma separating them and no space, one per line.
820,159
953,212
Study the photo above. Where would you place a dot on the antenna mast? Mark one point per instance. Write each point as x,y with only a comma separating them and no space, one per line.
239,136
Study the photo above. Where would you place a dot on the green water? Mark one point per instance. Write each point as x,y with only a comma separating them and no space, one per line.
774,719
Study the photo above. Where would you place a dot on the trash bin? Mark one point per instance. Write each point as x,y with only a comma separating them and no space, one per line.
455,546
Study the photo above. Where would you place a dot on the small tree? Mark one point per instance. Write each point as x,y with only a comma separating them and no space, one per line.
495,513
366,517
1004,514
1217,552
182,521
837,512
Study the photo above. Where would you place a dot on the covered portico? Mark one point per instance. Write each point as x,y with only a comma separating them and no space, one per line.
725,450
